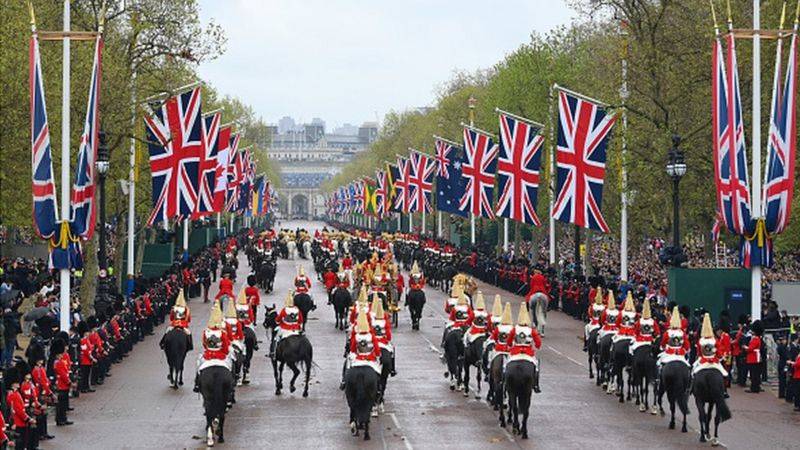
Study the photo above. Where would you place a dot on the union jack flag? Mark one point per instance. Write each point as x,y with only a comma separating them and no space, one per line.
583,131
359,199
83,207
420,181
782,145
43,187
381,193
733,192
175,143
402,200
221,173
443,149
234,174
207,166
518,167
479,167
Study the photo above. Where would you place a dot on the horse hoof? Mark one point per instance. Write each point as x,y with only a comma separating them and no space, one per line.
452,387
305,394
466,394
672,425
210,443
683,429
525,435
277,392
180,383
478,396
446,374
642,408
591,376
714,441
702,437
221,440
292,389
353,429
366,436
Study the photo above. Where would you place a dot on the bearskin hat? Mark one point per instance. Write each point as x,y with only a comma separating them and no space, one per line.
58,347
757,327
11,376
251,280
91,322
83,327
23,367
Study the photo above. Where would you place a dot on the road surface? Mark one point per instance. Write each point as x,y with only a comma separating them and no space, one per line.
137,409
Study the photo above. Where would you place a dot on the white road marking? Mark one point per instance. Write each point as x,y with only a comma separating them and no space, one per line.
402,436
552,349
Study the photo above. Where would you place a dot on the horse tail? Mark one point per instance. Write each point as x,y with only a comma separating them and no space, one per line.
541,309
683,393
216,408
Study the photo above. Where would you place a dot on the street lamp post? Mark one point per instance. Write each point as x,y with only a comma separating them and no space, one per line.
102,165
676,169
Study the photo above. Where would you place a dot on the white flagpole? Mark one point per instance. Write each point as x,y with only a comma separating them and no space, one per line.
186,223
552,225
424,228
64,281
505,234
410,222
623,245
438,224
755,288
132,177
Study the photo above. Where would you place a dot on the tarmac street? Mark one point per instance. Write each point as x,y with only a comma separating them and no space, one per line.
136,408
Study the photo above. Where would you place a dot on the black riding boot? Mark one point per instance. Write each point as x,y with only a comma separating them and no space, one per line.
393,371
196,383
344,371
536,381
189,343
272,347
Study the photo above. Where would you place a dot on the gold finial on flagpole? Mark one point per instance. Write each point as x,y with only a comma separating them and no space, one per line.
797,14
33,16
102,19
730,16
783,18
714,15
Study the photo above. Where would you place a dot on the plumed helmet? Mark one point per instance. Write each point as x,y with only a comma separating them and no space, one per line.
611,303
230,310
289,302
646,313
480,304
362,295
215,317
497,306
507,315
757,327
598,298
181,300
629,306
242,298
675,319
362,325
707,331
523,318
377,306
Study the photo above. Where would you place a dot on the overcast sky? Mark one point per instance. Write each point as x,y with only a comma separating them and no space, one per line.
350,60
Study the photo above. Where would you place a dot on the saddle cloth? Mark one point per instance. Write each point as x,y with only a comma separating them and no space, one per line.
717,366
637,344
387,346
374,365
226,363
621,337
665,358
523,357
283,334
470,338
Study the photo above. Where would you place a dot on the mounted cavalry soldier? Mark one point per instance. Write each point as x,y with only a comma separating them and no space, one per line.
609,318
234,328
481,320
461,316
216,345
675,343
523,341
710,353
382,326
626,321
362,304
289,322
595,315
180,317
301,282
417,280
646,328
363,347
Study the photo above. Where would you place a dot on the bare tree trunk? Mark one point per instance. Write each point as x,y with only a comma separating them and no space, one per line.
89,280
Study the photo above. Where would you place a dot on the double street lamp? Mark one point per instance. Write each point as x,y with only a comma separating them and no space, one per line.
676,169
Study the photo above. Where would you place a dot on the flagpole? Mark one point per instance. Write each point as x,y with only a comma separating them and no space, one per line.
424,228
410,222
755,287
471,104
132,177
552,220
186,235
439,224
623,244
505,234
64,280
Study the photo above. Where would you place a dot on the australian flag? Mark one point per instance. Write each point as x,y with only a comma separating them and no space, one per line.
450,185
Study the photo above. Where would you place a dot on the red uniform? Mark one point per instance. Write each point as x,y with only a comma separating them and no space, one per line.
16,405
724,344
61,369
253,295
500,344
400,283
289,326
796,371
97,343
175,322
637,328
30,395
87,351
302,284
416,284
39,375
461,323
523,348
682,350
373,356
236,334
225,288
347,263
753,350
222,353
387,331
148,305
716,358
329,279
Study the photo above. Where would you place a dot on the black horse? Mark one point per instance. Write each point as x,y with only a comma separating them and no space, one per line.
605,347
621,359
292,350
250,346
675,379
361,390
709,392
216,385
175,348
341,301
386,367
519,378
415,299
593,350
266,274
454,357
473,357
643,374
305,304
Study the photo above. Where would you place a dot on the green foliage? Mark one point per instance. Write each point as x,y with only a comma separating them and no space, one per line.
668,48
